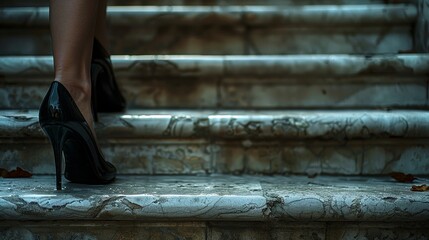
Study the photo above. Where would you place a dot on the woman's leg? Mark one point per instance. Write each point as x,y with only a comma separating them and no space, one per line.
101,33
72,29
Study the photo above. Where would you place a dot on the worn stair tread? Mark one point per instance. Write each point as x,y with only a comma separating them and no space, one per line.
337,125
217,197
238,65
327,15
238,81
32,3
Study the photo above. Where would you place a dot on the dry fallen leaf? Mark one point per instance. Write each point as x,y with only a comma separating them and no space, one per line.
407,51
3,172
18,173
421,188
402,177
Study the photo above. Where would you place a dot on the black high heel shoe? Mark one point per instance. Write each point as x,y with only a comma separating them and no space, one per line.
68,132
108,97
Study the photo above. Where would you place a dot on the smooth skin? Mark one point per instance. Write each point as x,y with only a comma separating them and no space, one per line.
74,24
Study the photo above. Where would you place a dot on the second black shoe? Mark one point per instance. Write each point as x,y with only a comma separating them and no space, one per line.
108,97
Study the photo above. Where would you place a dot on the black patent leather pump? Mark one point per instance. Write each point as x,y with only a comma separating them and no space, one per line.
108,97
68,132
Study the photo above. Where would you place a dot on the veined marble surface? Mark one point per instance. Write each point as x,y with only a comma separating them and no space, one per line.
294,81
216,82
263,66
225,29
363,92
267,142
84,230
158,157
227,40
241,124
226,15
218,197
206,2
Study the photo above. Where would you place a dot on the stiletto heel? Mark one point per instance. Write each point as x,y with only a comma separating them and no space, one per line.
108,95
70,134
56,137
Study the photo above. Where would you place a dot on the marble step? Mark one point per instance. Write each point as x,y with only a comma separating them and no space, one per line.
261,82
32,3
312,29
243,125
215,207
252,82
255,142
313,15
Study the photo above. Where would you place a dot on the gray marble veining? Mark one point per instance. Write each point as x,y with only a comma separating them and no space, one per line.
415,231
241,124
368,92
158,157
226,15
255,142
226,40
218,197
84,230
206,2
185,65
314,81
305,202
349,27
156,142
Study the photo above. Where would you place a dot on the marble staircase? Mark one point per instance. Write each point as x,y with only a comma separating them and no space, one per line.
246,120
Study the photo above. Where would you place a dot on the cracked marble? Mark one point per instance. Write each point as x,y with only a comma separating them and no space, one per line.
217,197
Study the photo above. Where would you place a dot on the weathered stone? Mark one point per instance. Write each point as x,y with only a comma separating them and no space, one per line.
213,15
322,159
170,93
215,198
408,231
265,94
207,2
211,230
223,29
299,40
86,230
402,158
239,66
266,231
344,201
241,125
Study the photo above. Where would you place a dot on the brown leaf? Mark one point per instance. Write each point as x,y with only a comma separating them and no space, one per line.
407,51
402,177
18,173
3,172
421,188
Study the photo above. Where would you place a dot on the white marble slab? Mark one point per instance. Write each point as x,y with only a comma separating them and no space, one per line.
241,124
218,197
227,15
206,2
339,65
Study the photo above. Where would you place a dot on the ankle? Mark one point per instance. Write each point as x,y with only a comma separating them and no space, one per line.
79,90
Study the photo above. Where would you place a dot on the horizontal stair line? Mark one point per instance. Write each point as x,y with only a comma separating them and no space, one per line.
253,125
216,198
326,15
199,65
